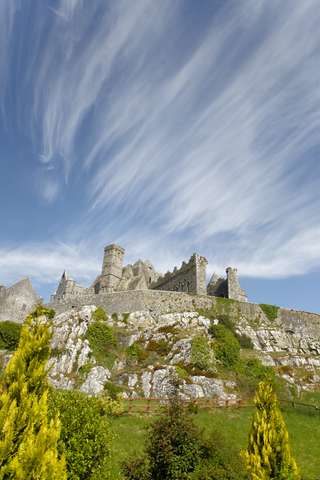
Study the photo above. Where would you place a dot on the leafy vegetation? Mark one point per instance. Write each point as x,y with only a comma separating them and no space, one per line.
268,455
202,356
99,315
28,440
176,449
9,335
271,311
226,346
137,352
102,340
161,347
233,425
85,433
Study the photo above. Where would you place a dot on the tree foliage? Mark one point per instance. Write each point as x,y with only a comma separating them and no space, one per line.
177,450
9,335
28,440
268,456
85,433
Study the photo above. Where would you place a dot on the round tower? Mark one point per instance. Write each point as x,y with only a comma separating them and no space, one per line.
112,267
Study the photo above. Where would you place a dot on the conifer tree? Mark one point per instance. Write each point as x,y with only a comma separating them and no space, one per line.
28,439
268,456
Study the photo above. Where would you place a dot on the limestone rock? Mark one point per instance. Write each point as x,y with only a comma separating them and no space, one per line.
95,381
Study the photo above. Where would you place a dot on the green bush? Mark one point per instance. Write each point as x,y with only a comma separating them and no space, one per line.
9,335
99,315
85,433
202,356
221,461
271,311
250,372
113,390
182,373
177,450
159,346
245,341
136,469
226,346
102,341
136,352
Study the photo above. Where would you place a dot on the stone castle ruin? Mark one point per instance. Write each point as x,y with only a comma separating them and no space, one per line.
17,301
189,278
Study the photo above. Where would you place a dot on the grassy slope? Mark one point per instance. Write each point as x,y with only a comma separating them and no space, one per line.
304,430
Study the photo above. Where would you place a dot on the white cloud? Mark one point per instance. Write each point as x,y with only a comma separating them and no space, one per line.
44,263
189,144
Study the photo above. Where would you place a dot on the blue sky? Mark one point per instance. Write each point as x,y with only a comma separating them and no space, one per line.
169,127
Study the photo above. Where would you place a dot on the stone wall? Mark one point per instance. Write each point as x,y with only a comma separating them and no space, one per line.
167,302
235,292
139,300
189,278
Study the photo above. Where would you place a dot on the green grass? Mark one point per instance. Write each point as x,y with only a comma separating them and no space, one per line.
271,311
304,431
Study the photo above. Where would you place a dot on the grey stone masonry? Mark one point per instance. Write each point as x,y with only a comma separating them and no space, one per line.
17,301
235,292
111,268
189,278
227,287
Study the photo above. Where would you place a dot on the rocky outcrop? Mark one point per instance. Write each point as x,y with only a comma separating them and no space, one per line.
156,348
17,301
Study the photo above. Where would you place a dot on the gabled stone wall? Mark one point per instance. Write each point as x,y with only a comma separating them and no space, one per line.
189,278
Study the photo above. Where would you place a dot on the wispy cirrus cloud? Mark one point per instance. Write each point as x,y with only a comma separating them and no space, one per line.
183,136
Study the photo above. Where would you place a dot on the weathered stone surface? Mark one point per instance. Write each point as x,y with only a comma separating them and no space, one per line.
17,301
95,381
70,350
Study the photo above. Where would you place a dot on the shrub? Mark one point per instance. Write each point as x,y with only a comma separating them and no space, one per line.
9,335
113,390
137,352
245,341
99,315
271,311
202,356
136,469
85,433
182,372
159,346
102,339
28,440
268,454
251,372
173,446
221,461
176,450
226,346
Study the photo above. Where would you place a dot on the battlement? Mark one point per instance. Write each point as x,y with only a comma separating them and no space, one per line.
189,278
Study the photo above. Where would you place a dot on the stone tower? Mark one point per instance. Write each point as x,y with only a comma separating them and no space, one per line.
201,277
235,292
112,267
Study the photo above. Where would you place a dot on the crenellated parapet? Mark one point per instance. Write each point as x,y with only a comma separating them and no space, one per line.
189,278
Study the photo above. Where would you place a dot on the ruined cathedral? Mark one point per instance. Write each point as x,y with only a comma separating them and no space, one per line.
115,277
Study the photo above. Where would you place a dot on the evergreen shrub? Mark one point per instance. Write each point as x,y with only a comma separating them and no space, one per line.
226,345
202,356
99,315
85,433
9,335
28,439
271,311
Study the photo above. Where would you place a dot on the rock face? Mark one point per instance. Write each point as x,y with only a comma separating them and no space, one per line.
17,301
154,348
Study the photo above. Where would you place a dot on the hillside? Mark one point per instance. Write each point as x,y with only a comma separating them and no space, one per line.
221,351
